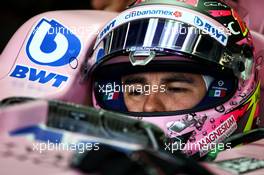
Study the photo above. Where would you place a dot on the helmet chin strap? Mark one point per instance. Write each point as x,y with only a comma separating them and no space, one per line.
207,80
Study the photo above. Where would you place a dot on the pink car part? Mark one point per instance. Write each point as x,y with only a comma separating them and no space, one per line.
24,115
44,57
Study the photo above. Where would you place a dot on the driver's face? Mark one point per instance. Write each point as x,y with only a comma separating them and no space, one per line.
177,91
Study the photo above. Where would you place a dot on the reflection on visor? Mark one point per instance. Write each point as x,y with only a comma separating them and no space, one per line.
163,34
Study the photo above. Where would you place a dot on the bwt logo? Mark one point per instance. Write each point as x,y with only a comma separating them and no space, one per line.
213,31
106,29
40,76
52,44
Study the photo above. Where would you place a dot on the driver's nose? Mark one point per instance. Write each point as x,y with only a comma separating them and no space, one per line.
154,103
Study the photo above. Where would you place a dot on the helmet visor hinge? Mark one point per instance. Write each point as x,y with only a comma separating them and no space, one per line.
135,57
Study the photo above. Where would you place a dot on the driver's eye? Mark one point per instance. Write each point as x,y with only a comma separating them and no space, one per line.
135,93
176,89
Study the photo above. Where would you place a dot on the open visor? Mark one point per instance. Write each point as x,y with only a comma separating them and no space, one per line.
164,36
115,83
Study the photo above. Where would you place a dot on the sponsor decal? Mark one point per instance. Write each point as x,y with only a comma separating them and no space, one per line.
40,76
232,30
107,28
189,2
134,14
111,96
213,31
131,49
221,83
199,20
214,4
218,135
177,14
187,121
220,13
217,93
110,91
52,44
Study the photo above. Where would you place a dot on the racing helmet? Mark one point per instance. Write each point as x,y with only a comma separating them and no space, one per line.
201,37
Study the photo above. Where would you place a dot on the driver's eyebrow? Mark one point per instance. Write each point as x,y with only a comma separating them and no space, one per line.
135,80
177,78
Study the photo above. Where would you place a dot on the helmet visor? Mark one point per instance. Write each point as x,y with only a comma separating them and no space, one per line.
164,36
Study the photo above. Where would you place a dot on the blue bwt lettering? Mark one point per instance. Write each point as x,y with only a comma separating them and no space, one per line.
41,76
